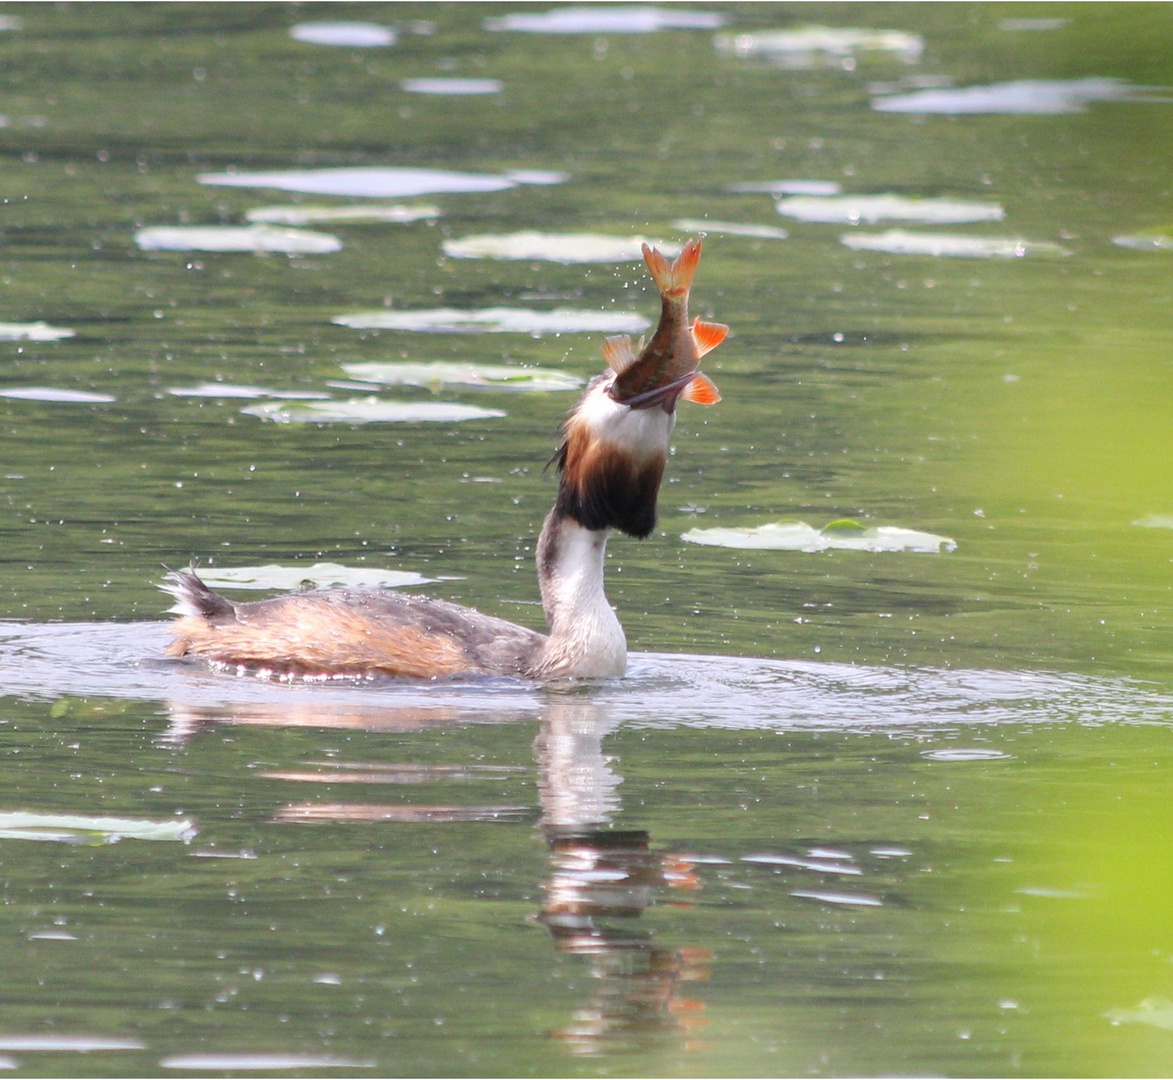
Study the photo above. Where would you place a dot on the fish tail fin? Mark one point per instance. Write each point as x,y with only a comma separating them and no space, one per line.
673,279
619,352
707,335
701,391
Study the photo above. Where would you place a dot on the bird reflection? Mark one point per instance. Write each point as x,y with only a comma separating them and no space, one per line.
601,879
599,874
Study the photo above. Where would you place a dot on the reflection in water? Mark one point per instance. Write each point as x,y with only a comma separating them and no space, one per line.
598,874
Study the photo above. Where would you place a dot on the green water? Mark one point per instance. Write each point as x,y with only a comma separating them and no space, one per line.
920,824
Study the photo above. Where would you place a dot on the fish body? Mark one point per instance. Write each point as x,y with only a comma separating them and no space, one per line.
665,369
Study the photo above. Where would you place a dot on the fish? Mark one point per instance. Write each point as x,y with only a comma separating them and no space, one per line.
665,369
615,440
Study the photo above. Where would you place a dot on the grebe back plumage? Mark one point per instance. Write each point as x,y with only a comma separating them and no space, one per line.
611,462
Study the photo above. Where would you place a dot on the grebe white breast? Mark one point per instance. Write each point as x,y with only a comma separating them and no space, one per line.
611,462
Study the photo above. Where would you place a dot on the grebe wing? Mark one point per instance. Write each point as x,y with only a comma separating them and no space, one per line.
347,632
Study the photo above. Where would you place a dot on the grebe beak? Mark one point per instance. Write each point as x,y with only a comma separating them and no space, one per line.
693,387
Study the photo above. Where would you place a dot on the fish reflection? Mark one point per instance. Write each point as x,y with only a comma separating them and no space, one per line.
598,874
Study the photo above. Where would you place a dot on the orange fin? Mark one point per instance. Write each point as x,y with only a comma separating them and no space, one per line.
676,278
701,391
619,352
707,335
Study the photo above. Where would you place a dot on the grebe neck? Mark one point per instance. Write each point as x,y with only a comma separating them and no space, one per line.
586,640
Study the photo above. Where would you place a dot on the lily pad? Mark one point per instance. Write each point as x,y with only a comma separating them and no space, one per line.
902,242
1149,240
498,320
473,87
321,575
354,35
83,828
852,209
1040,96
369,410
1155,1011
786,187
806,46
842,535
263,1062
255,238
607,19
451,373
231,390
34,331
52,393
63,1041
357,214
555,247
378,182
730,228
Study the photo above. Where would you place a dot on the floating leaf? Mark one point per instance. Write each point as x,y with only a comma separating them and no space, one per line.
1042,96
1155,521
354,35
358,213
945,245
762,232
320,575
841,535
369,410
555,247
1149,240
232,390
499,320
34,331
452,86
839,899
378,181
607,19
1155,1011
402,813
806,46
453,373
965,753
1031,25
80,1044
787,187
270,1062
81,828
259,239
852,209
50,393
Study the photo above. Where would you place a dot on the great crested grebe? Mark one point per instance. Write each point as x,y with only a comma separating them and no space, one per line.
611,461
